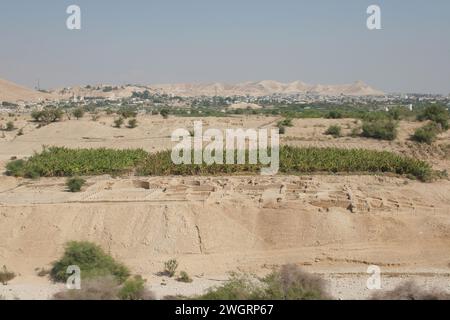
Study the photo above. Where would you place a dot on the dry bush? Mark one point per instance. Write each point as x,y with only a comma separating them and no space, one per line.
287,283
6,276
411,291
108,288
292,283
104,288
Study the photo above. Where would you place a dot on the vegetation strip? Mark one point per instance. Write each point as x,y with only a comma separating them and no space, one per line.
63,162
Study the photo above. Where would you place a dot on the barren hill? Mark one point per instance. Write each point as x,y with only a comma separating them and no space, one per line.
12,92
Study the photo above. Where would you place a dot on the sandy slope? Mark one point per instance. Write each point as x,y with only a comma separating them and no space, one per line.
333,225
12,92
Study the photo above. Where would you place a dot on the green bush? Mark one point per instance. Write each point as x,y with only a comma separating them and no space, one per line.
287,283
78,113
334,131
380,129
427,134
436,113
6,276
334,114
237,287
16,168
132,123
164,113
118,122
184,277
92,261
48,115
285,123
10,126
134,289
75,184
170,267
127,112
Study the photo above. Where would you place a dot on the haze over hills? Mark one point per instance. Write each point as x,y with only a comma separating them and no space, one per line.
267,87
12,92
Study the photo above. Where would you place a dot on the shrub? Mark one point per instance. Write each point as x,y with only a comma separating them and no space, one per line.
282,130
10,126
355,132
134,289
6,276
380,129
427,134
16,168
118,122
75,184
41,272
101,288
436,113
291,283
127,112
184,277
164,113
411,291
132,123
92,261
48,115
334,114
288,283
334,131
170,267
237,287
285,123
20,132
78,113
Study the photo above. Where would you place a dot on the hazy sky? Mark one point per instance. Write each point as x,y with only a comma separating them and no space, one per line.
168,41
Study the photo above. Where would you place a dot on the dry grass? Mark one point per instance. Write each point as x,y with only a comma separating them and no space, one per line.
411,291
104,288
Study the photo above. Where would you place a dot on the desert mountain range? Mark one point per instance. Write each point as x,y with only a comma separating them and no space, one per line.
268,87
12,92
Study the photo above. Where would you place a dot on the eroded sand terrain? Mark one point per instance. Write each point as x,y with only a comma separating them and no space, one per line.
332,225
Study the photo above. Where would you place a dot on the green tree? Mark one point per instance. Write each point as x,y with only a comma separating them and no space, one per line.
78,113
92,261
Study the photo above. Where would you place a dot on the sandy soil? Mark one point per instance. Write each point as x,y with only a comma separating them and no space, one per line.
335,226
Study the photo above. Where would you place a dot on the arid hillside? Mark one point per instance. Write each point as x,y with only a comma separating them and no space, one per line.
11,92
